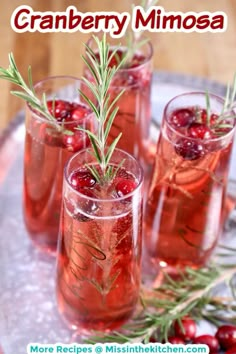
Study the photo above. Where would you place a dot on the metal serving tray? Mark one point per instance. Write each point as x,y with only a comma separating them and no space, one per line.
27,300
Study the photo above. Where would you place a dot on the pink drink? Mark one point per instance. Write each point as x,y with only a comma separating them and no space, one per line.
98,270
187,191
133,117
47,148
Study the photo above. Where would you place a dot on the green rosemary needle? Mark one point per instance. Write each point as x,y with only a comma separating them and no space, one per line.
27,92
194,294
134,40
227,109
105,110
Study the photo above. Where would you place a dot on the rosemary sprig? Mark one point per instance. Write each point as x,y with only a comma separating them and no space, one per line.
193,293
230,97
227,109
27,92
134,40
208,108
145,4
105,110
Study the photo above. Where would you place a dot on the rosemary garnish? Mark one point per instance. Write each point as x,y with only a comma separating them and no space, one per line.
146,5
208,109
227,109
193,293
134,40
27,93
98,63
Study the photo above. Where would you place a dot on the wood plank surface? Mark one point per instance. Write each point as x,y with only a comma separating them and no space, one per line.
212,55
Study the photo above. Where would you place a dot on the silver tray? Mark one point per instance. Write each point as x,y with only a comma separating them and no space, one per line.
28,310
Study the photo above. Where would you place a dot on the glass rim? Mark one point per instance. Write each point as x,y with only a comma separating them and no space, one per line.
106,200
180,134
54,121
147,60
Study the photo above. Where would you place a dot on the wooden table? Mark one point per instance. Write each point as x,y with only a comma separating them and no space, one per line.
210,55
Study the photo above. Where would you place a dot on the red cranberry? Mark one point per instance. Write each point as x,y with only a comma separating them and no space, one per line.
199,131
182,117
226,336
82,179
137,60
79,112
153,338
125,186
59,109
189,149
78,141
187,331
209,340
116,58
214,118
175,340
231,350
204,117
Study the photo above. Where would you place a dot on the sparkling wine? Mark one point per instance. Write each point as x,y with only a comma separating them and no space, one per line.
98,270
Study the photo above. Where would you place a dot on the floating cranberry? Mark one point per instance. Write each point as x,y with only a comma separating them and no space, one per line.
187,331
79,112
182,117
175,340
137,60
116,58
226,336
199,131
205,119
59,109
189,149
202,113
209,340
82,179
76,142
231,350
124,187
214,118
152,340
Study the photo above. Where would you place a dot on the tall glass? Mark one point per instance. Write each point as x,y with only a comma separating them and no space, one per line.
183,217
48,146
134,115
98,268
